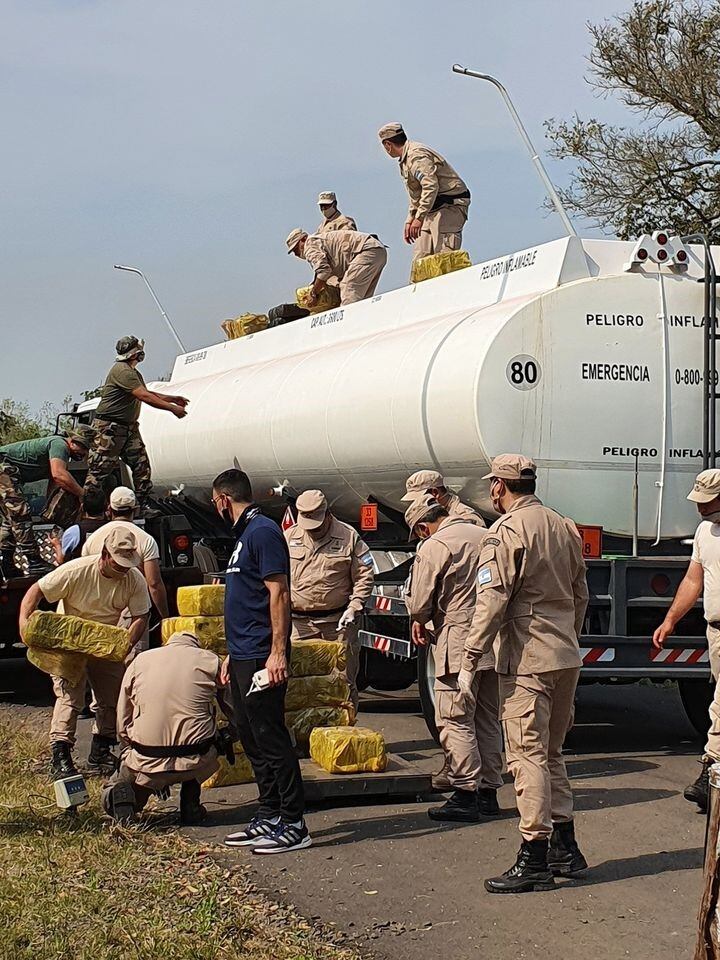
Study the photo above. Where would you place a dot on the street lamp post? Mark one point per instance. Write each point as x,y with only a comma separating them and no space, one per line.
535,157
167,319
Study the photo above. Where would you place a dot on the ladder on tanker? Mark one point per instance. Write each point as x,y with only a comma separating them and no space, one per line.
710,368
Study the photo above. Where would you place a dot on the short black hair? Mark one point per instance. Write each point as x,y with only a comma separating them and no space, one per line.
434,513
399,139
94,501
524,486
234,484
122,511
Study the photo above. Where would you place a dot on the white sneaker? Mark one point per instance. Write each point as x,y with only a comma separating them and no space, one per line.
285,838
258,828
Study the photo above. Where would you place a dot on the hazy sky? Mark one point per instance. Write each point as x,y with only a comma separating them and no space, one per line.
187,137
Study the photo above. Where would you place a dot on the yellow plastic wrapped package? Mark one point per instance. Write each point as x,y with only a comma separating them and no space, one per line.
328,299
56,631
329,691
59,663
231,774
316,658
210,631
303,722
348,749
202,600
244,325
438,264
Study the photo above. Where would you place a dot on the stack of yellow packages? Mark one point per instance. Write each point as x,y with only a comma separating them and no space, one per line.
328,299
245,325
348,749
60,645
438,264
201,613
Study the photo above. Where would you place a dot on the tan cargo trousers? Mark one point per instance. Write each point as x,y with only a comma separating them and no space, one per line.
362,276
105,678
712,747
145,784
469,730
441,231
537,711
307,628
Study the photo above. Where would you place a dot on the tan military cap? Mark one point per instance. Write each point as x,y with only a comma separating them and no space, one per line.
122,498
312,508
418,510
707,487
422,481
122,547
327,196
512,466
294,238
389,130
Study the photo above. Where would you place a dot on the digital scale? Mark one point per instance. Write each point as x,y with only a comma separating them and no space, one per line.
71,792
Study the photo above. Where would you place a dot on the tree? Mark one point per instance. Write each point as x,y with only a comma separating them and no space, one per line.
17,422
662,60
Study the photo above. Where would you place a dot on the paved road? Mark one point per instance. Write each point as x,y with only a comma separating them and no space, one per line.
407,889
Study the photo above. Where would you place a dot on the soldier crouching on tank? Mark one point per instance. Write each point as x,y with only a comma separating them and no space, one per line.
116,421
166,728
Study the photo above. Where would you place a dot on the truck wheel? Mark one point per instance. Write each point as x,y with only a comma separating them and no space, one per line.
426,686
696,694
204,559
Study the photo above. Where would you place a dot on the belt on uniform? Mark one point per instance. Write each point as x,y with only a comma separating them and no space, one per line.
447,198
715,624
174,750
115,423
318,613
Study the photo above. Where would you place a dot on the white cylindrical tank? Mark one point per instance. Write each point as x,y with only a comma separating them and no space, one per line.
554,352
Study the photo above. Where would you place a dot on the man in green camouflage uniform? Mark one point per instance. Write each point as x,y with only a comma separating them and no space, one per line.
29,461
116,421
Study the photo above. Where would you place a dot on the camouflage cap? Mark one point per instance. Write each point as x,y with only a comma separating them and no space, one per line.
327,196
418,510
83,434
706,488
127,347
294,238
388,130
422,481
512,466
122,547
311,508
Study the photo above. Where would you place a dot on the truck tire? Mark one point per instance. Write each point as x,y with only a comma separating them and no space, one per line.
696,694
204,559
426,686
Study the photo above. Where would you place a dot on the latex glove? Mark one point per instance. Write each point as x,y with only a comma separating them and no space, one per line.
346,619
465,682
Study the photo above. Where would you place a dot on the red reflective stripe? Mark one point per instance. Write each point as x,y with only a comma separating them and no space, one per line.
695,656
594,654
673,655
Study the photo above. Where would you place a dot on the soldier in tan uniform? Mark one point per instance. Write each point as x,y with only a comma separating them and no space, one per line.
331,577
439,197
432,483
166,727
355,259
531,601
442,590
332,218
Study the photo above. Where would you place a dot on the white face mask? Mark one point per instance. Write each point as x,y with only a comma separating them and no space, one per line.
328,211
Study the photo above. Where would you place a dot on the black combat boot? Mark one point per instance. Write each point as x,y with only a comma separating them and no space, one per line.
487,802
699,791
101,760
462,806
120,802
564,856
529,873
61,764
192,812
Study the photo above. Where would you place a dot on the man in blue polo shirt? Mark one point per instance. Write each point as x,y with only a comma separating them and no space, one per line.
257,630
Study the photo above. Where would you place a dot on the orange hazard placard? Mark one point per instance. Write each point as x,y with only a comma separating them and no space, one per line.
369,516
591,541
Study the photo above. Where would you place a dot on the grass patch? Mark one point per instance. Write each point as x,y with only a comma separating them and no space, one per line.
88,889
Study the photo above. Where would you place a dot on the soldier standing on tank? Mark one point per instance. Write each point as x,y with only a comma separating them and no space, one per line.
439,197
116,421
531,601
442,589
331,577
432,483
332,218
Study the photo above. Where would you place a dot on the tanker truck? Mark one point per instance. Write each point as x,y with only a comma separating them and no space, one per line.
593,357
